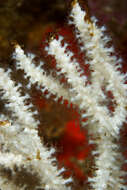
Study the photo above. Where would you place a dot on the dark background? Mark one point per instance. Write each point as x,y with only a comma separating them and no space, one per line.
25,21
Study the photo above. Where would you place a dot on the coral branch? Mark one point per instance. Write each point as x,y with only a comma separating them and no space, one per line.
21,149
37,74
23,141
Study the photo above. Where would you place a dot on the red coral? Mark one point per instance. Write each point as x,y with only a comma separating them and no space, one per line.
74,146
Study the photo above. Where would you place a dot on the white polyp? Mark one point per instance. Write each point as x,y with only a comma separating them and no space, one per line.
38,75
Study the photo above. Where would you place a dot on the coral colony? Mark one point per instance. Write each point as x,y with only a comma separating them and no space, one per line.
22,152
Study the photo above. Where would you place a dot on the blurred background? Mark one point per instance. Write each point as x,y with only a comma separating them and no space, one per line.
26,21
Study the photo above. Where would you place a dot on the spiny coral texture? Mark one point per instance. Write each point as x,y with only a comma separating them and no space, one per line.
21,148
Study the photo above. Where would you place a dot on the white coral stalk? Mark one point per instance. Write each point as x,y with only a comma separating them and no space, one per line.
104,175
108,164
38,75
34,159
16,101
101,61
105,75
20,141
22,138
104,124
85,95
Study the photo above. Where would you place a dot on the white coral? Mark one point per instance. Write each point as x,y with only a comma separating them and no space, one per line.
21,138
21,146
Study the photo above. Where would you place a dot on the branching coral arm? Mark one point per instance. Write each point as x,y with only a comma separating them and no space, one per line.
33,156
85,95
16,101
22,139
108,164
102,130
37,74
102,61
103,122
